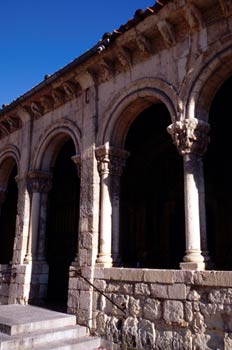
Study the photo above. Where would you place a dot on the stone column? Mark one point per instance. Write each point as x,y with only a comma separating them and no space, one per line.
38,182
110,162
191,139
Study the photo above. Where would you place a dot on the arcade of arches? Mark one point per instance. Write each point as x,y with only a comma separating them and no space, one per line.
151,214
115,183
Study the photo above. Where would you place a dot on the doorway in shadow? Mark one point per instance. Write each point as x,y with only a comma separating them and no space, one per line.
62,227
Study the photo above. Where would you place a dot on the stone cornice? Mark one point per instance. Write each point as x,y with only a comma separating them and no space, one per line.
150,31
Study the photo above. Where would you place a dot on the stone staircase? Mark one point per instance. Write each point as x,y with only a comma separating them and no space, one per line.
30,327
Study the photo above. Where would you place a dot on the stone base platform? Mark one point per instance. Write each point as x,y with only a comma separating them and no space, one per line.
31,327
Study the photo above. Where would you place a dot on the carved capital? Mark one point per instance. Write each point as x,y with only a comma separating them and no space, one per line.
39,181
110,160
77,160
190,136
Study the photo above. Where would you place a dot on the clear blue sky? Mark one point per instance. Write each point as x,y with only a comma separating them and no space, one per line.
40,37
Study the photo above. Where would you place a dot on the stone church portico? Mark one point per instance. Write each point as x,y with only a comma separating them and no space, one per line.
115,187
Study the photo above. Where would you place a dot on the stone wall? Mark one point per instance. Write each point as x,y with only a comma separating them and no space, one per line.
163,309
4,284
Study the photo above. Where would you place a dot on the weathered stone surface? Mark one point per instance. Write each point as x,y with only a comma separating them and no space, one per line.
152,309
176,56
173,312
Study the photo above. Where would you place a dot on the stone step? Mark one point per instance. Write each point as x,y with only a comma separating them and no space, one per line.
30,327
18,319
38,338
84,343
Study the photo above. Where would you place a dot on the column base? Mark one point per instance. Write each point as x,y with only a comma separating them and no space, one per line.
198,266
104,261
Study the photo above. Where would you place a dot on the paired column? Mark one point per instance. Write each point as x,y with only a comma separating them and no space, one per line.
110,162
38,182
191,139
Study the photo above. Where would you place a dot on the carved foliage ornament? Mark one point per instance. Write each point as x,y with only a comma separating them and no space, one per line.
190,135
38,181
111,160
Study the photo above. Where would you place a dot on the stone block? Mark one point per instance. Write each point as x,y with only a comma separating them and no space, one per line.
142,289
159,276
176,291
152,309
173,312
85,300
113,274
126,288
213,278
112,287
159,291
135,275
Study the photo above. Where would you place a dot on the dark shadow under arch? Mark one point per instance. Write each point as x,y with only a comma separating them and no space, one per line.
62,226
8,219
218,174
152,199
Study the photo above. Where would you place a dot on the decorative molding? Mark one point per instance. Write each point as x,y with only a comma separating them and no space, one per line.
111,160
166,30
190,136
58,97
39,181
193,16
36,109
9,123
144,45
124,57
47,103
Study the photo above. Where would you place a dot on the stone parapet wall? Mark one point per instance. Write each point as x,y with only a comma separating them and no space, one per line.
163,309
4,283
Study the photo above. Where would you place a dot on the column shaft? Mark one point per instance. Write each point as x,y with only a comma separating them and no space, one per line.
191,139
110,165
38,182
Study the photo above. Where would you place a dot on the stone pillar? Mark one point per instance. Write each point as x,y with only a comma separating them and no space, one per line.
110,162
38,182
77,160
191,139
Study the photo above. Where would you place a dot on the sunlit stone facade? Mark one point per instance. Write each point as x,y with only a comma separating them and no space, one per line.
115,184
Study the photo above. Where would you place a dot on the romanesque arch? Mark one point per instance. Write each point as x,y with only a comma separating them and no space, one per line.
209,73
208,98
135,98
49,145
151,196
59,206
9,160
